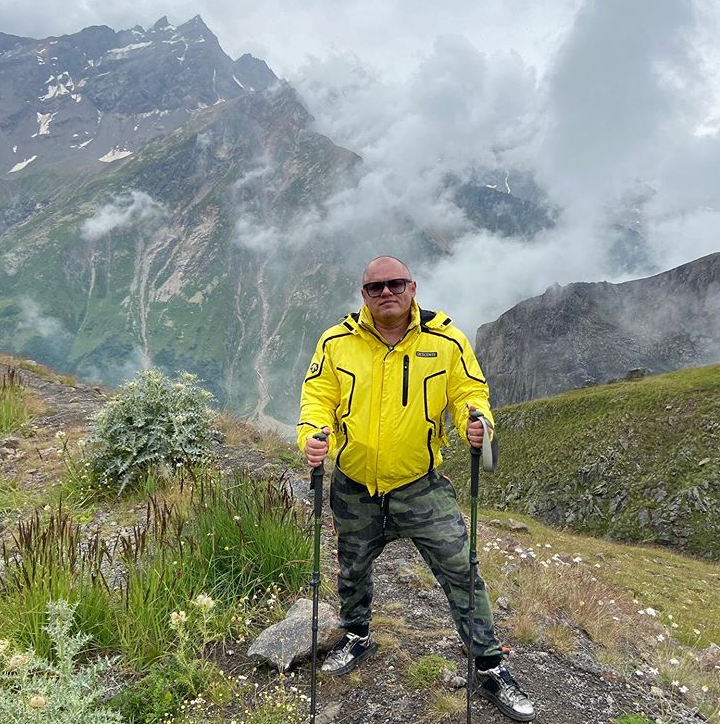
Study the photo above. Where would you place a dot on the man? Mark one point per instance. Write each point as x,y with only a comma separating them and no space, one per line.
378,386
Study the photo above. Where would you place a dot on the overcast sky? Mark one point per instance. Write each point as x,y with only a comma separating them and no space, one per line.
614,105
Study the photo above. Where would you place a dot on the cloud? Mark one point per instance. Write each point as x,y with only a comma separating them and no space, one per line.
118,371
624,85
601,99
124,211
33,319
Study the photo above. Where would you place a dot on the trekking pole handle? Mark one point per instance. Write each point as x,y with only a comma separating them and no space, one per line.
316,479
486,452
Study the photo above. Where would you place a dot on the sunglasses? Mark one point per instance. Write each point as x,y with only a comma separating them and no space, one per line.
396,286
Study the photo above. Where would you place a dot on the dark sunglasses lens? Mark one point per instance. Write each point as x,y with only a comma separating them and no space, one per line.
396,286
374,289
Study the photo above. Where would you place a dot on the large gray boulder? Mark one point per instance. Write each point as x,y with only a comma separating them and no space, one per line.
290,641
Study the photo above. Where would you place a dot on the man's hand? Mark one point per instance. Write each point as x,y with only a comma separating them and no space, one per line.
475,430
316,450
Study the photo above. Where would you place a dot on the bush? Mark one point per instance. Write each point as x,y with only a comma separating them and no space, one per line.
152,421
35,690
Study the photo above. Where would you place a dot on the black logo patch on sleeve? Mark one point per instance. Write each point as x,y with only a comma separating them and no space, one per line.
426,354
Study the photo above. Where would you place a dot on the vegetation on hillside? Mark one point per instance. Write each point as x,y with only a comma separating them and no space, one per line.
634,460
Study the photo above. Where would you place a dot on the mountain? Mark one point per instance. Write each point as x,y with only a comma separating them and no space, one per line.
151,195
587,333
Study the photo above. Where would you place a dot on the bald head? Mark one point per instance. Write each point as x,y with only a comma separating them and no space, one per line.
382,262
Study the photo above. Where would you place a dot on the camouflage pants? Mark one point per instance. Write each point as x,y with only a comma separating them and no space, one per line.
427,512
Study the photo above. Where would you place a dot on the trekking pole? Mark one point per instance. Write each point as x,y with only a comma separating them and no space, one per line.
488,464
316,485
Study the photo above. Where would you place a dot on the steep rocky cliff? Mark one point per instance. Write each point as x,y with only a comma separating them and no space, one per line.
588,333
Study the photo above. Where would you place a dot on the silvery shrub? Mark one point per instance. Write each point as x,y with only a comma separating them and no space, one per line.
60,692
151,421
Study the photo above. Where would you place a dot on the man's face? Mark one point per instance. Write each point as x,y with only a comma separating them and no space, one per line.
388,308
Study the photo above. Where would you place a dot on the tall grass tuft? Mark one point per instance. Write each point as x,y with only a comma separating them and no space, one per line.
234,539
13,410
48,559
252,534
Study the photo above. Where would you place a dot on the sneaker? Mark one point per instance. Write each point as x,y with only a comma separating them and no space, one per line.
498,686
348,653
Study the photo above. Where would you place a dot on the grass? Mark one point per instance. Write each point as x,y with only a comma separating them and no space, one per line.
680,588
236,539
632,719
13,408
563,589
427,671
270,443
446,708
32,366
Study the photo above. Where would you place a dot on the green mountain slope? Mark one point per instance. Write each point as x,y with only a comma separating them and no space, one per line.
147,262
634,461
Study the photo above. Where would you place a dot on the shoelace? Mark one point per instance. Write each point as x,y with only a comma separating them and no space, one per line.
352,639
507,677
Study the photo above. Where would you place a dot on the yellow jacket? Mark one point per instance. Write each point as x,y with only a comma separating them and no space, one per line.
384,404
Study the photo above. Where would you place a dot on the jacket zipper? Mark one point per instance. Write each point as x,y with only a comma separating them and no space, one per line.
406,379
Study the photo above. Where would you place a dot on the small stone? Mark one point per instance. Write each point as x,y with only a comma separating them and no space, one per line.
456,682
704,461
14,443
503,603
516,525
495,523
709,658
329,714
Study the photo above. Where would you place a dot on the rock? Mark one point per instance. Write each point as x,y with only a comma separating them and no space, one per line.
14,443
503,603
495,523
709,658
329,714
516,525
290,640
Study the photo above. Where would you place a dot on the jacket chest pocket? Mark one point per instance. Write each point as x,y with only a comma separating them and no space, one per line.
435,397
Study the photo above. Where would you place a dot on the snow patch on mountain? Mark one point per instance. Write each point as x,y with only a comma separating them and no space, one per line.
123,52
44,120
22,164
115,154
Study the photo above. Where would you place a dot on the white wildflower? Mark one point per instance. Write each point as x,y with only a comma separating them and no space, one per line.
177,618
204,602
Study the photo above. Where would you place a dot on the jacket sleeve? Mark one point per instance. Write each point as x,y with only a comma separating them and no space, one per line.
467,386
319,398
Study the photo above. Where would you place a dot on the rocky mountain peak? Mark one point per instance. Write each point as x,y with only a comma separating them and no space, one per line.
97,96
593,332
161,23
